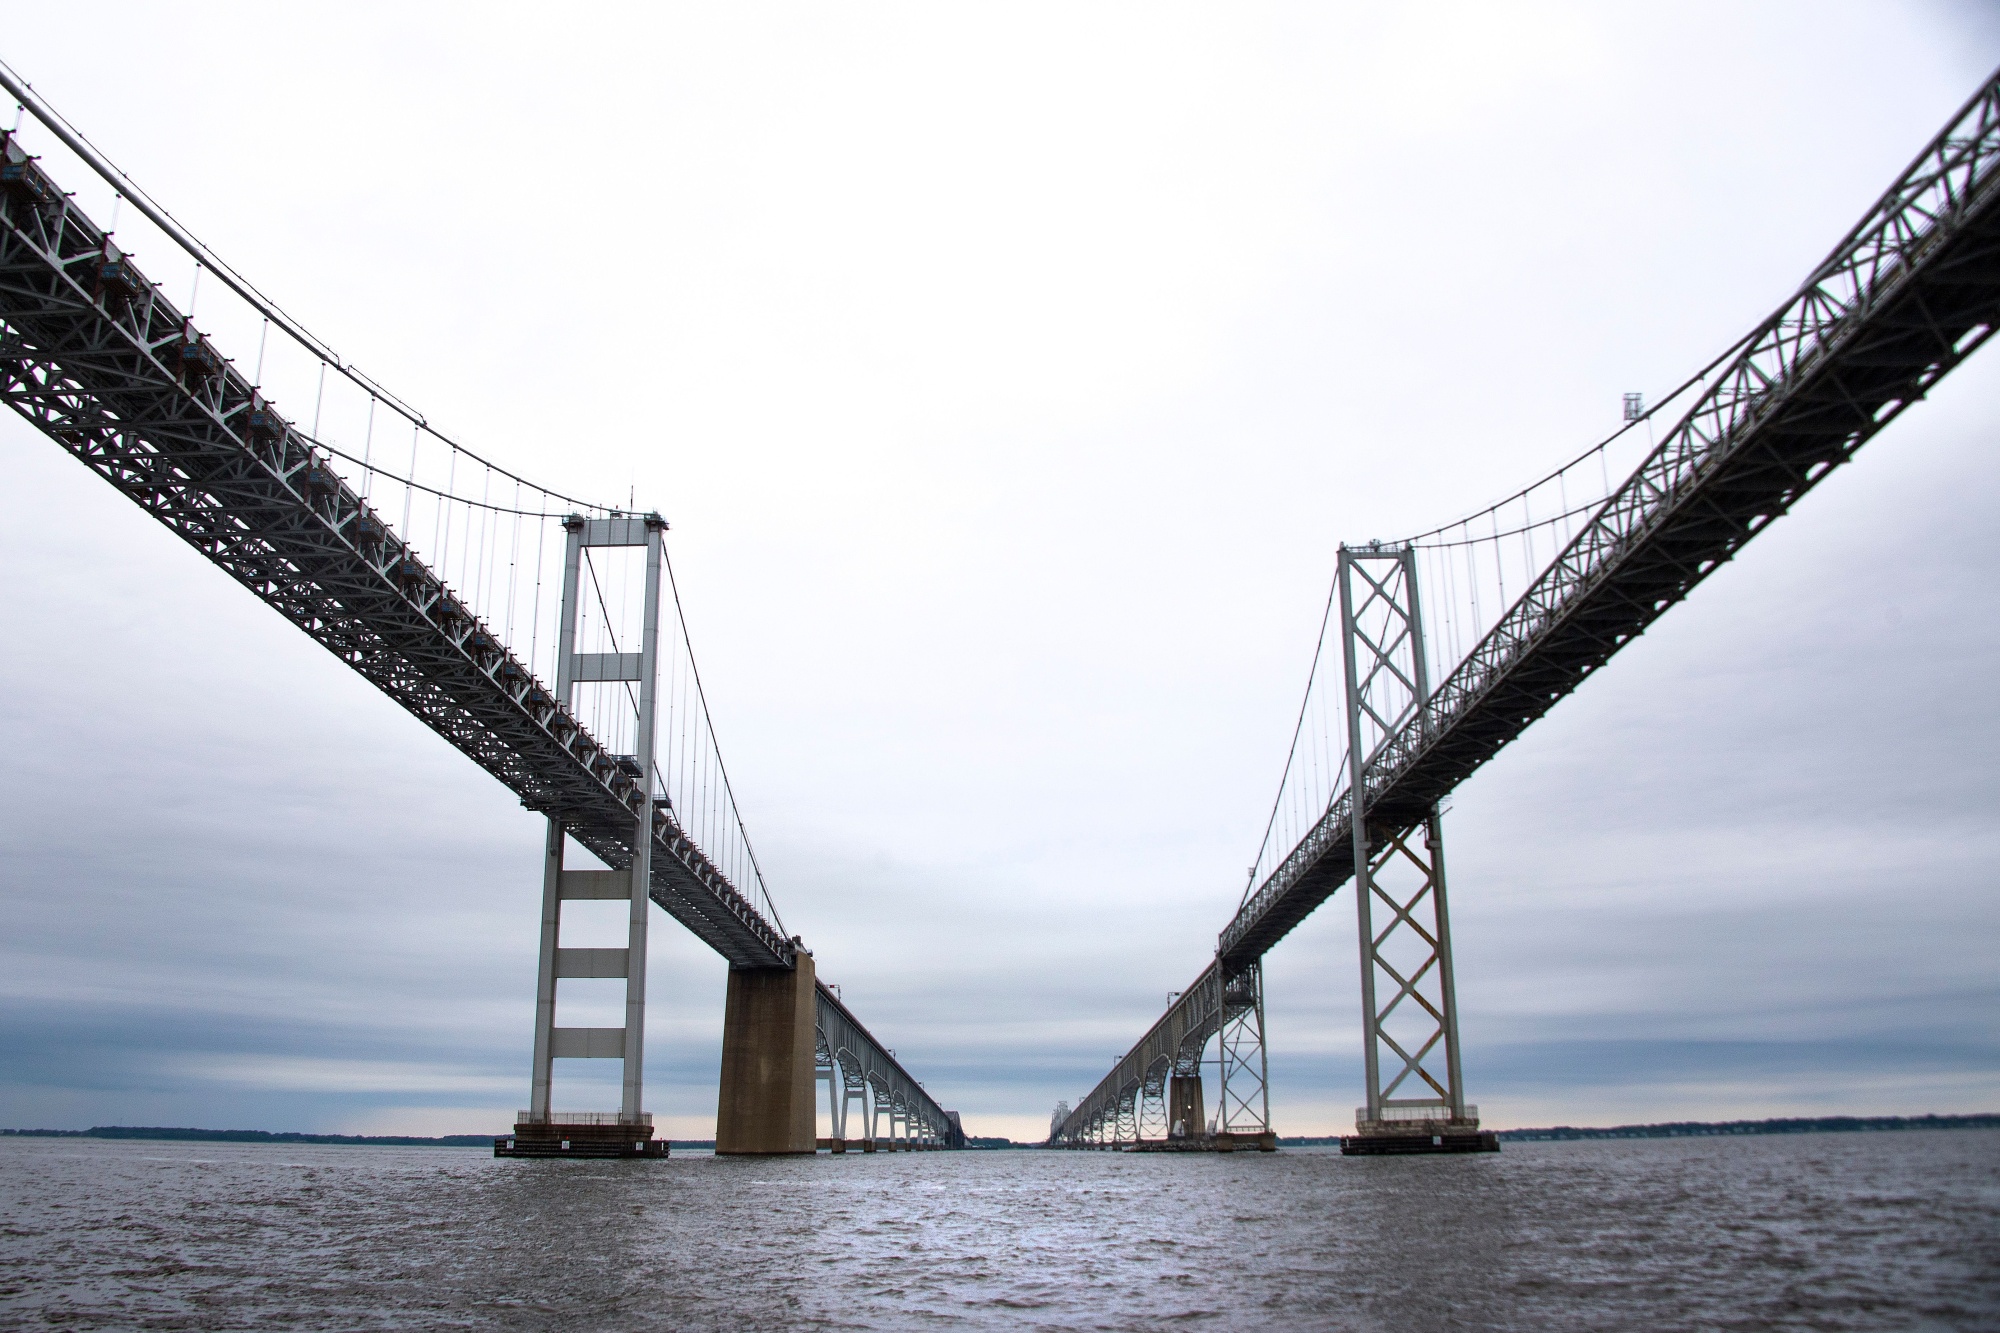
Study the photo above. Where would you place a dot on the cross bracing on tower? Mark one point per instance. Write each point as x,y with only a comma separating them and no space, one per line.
1509,609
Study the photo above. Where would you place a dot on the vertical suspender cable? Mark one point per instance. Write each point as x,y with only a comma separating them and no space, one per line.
368,452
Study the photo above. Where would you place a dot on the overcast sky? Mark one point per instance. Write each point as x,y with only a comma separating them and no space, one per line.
1009,376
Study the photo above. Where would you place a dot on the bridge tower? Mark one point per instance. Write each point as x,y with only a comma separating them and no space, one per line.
628,1132
1243,1083
1409,1001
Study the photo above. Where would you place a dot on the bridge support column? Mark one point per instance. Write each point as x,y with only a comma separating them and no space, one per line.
1243,1075
1421,1106
628,1132
1128,1118
767,1104
828,1068
857,1092
884,1122
1187,1118
1153,1122
1415,1092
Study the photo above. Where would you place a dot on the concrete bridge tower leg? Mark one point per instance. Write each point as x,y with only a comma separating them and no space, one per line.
768,1100
1187,1118
627,1132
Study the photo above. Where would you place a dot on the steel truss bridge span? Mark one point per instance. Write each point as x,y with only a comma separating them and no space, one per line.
95,356
1906,296
1132,1102
859,1069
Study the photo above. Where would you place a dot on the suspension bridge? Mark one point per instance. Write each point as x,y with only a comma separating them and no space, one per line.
522,625
1448,644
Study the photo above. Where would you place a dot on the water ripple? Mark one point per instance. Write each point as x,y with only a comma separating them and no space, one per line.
1825,1232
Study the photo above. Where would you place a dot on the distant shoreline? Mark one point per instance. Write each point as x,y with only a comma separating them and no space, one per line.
1696,1129
161,1133
1711,1129
1678,1129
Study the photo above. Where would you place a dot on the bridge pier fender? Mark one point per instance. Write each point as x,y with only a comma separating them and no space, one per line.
768,1084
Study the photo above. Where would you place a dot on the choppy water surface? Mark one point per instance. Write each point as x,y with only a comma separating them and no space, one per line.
1837,1231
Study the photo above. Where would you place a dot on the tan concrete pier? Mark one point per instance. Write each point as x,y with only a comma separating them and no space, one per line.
766,1106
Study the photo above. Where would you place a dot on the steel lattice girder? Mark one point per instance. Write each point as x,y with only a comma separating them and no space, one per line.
1172,1046
1905,297
1240,1094
1421,914
122,380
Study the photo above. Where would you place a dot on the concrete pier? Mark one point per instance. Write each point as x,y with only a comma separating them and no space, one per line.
767,1104
1186,1117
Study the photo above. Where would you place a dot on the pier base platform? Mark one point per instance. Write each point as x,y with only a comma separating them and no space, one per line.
1391,1145
875,1145
579,1139
1227,1142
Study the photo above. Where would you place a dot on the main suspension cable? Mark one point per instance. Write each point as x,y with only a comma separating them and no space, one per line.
1596,450
1298,728
74,139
